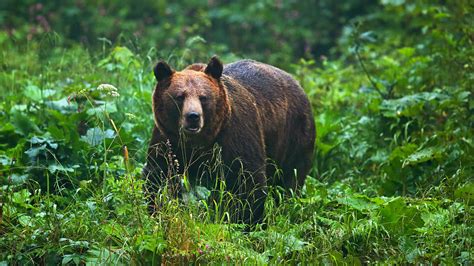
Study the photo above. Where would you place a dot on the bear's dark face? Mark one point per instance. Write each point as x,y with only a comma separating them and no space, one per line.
189,101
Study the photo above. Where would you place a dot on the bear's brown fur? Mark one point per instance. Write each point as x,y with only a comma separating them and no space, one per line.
256,113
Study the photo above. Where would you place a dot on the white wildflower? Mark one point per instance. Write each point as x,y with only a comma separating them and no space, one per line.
108,89
130,116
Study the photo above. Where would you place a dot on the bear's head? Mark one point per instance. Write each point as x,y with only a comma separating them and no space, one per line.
192,101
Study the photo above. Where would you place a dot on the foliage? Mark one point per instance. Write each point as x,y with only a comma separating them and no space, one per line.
392,176
166,25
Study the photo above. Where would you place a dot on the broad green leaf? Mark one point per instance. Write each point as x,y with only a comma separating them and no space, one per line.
106,256
398,217
22,197
402,152
409,248
108,107
96,136
33,93
202,193
393,2
154,243
437,219
18,179
53,168
63,105
358,202
25,220
410,105
5,160
33,152
23,124
423,156
466,192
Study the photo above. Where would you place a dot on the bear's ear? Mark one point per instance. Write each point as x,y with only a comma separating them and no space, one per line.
162,71
214,68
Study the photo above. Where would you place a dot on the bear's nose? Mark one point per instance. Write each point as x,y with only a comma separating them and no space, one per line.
192,116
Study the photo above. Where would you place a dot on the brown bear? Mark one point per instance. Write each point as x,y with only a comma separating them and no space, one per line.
257,114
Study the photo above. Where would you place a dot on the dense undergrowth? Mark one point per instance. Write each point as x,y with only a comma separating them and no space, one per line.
392,180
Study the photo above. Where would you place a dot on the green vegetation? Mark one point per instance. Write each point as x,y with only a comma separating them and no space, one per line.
392,95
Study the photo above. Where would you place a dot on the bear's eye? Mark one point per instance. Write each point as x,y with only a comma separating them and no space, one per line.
203,98
179,98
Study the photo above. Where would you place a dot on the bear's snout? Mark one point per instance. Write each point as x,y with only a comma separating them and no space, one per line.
192,117
192,122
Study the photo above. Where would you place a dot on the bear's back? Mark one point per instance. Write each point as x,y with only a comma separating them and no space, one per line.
283,106
274,89
249,73
264,81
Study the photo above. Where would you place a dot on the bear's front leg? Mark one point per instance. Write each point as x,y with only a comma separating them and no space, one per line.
253,194
160,169
245,177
